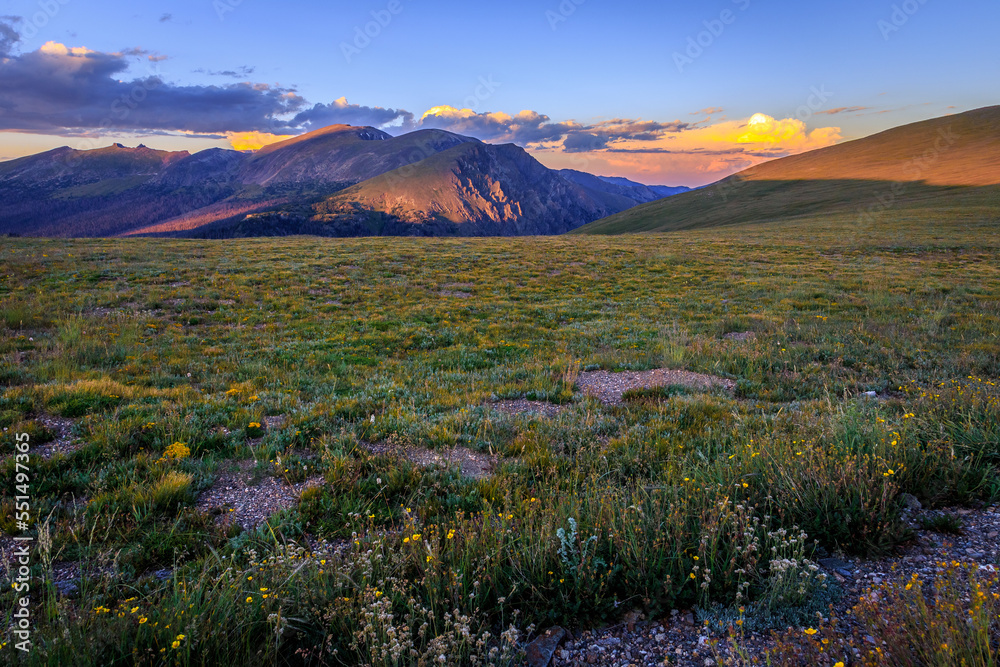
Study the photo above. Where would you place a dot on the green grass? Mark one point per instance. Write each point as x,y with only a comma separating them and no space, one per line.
591,513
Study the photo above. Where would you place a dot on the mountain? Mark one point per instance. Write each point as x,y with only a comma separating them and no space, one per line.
945,163
617,188
343,154
340,180
100,192
473,189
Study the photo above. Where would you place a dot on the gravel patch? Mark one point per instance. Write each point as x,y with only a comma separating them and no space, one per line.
65,442
237,501
526,407
471,464
609,387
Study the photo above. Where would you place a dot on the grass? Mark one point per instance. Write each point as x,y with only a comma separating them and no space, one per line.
170,357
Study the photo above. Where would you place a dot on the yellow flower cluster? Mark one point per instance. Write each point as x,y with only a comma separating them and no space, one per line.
177,451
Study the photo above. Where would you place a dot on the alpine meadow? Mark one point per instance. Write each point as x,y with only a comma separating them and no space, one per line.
298,382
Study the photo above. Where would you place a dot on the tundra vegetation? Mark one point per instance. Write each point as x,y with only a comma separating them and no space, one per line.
172,361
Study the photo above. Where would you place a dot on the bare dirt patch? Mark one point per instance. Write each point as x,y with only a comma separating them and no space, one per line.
609,387
471,464
65,442
456,295
526,407
250,505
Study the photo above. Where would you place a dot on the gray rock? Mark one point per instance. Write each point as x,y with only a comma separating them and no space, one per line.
910,502
539,652
67,589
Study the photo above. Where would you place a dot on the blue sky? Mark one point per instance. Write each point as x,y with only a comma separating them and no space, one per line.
577,67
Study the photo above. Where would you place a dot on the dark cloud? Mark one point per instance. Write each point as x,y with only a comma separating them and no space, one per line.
340,112
58,90
240,73
8,35
527,127
166,18
532,128
582,142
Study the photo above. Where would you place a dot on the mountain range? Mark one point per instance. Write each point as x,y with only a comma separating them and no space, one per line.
337,181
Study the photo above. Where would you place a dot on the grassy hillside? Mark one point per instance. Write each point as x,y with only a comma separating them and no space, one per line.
943,166
149,372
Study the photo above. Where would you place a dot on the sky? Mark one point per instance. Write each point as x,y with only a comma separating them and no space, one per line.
674,93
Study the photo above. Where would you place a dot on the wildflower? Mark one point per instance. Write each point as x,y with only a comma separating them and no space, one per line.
416,537
175,644
143,620
263,590
839,664
811,631
249,600
134,609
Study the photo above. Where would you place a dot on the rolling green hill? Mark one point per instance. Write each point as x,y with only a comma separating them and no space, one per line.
946,164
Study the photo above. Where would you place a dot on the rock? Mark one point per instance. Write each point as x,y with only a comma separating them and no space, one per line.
610,641
992,534
910,502
67,589
631,618
163,575
744,335
870,394
539,652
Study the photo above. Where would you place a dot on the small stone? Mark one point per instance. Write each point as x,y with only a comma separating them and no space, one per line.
539,652
660,637
911,502
67,589
992,534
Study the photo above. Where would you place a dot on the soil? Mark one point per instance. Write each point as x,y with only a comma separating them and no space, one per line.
609,387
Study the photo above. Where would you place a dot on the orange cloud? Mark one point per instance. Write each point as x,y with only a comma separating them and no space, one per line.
694,155
252,141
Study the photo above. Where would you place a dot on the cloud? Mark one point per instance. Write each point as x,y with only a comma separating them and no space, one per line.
340,112
72,91
252,141
690,154
66,90
240,73
708,111
8,35
530,128
166,18
527,127
839,110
